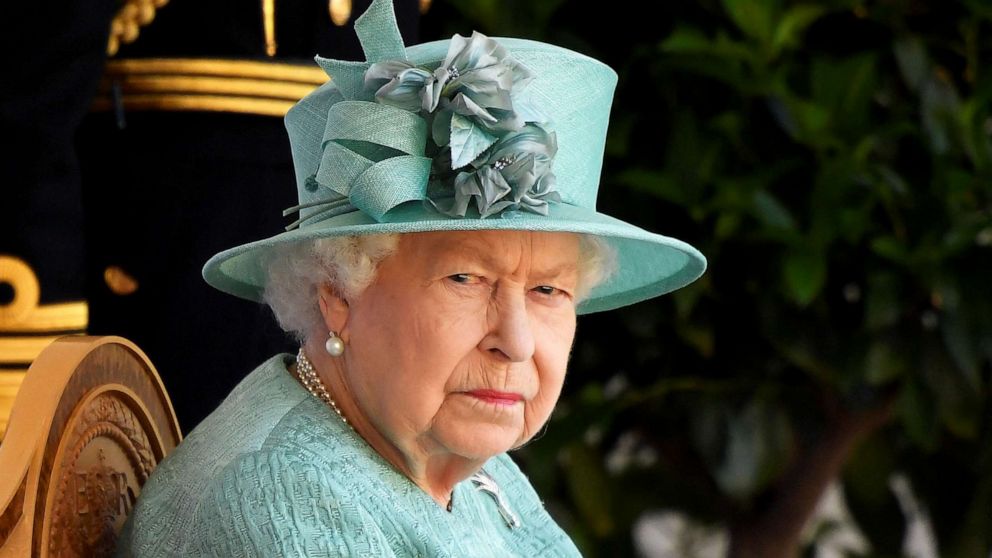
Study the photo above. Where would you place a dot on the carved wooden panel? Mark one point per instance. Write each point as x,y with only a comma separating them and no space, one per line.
105,424
98,478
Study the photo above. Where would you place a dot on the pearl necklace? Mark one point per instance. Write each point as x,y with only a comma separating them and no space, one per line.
306,373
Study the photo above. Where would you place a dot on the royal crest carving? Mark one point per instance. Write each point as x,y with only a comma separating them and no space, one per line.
108,459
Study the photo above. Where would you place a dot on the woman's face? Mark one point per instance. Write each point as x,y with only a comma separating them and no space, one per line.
460,344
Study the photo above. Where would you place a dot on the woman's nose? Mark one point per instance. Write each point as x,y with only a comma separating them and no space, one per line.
510,333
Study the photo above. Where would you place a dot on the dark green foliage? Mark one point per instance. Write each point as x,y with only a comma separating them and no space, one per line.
833,160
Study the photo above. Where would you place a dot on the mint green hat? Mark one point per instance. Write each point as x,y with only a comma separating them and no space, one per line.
471,133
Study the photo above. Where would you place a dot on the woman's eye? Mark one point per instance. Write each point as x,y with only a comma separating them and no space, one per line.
548,290
463,278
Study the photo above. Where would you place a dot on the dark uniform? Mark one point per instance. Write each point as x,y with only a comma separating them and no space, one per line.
184,154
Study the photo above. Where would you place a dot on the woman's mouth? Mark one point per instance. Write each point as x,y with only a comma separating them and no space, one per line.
496,397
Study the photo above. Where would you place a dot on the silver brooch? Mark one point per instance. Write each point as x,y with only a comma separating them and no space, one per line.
484,482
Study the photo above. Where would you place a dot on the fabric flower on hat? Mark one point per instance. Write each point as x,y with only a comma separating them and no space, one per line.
480,123
514,174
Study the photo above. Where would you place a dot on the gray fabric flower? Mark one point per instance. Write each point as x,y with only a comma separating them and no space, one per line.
475,67
472,92
401,84
486,77
515,174
480,123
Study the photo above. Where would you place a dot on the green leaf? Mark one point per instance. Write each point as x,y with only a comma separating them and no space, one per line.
793,24
958,404
867,472
911,57
844,88
961,331
687,39
804,273
940,103
891,249
870,500
978,142
700,338
980,8
892,179
884,363
804,120
727,225
771,212
753,17
691,43
918,414
590,488
730,124
883,301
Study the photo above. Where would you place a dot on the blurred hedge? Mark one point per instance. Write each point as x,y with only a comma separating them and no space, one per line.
833,160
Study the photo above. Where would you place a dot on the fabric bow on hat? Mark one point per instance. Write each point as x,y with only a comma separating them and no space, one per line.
446,134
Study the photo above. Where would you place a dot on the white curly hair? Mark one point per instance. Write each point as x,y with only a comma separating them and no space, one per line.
349,263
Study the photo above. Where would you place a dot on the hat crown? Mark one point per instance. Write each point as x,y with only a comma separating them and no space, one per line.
573,91
516,127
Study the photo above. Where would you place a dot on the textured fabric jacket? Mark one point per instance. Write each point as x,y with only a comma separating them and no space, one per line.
274,472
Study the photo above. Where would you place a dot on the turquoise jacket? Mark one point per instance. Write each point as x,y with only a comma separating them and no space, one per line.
274,472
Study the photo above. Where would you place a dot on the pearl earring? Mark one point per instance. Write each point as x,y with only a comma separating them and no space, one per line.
334,345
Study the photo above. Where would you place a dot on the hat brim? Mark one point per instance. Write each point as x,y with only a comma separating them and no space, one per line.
648,264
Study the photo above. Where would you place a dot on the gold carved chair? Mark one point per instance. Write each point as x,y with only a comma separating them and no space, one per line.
90,422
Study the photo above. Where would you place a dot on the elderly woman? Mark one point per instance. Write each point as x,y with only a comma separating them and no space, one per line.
433,281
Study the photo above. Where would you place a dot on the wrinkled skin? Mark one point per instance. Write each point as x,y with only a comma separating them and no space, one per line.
451,313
